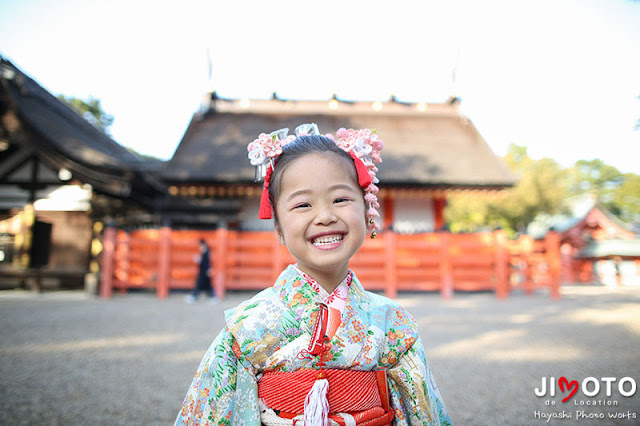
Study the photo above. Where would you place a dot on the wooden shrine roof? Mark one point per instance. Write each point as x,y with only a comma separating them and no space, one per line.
585,213
425,145
611,248
35,123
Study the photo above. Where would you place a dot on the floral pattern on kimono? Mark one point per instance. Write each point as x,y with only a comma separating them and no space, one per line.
270,330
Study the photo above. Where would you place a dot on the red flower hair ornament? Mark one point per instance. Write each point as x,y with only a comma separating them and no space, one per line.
363,146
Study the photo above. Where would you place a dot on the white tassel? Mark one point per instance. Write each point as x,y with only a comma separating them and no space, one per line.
316,406
348,419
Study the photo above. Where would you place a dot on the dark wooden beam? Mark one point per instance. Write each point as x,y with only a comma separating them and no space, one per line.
14,162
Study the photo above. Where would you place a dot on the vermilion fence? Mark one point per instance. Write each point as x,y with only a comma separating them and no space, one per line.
163,260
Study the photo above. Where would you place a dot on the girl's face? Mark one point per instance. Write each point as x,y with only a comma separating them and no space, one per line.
321,216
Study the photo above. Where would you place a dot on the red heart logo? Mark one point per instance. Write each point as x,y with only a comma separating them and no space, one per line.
570,385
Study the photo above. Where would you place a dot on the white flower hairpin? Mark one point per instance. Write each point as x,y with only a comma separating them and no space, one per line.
363,146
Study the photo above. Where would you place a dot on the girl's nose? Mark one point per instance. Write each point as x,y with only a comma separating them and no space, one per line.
325,216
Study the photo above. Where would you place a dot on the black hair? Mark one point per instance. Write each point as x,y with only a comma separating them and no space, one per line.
301,146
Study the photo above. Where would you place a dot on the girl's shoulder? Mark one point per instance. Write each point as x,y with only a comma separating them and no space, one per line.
390,306
376,300
399,327
382,308
379,301
259,297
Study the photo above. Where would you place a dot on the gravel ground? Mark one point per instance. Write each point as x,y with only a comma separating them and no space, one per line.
70,358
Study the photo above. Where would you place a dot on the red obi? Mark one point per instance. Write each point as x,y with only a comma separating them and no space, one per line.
362,394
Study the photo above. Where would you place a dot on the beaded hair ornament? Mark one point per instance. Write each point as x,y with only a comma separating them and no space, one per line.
363,146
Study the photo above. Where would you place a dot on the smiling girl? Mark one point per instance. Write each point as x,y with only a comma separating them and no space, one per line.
316,348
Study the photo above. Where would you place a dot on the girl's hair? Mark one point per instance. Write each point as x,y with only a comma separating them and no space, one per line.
301,146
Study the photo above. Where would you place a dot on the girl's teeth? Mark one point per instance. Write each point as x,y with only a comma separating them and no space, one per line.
330,239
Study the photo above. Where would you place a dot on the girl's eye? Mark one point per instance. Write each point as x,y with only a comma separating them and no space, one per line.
301,205
341,200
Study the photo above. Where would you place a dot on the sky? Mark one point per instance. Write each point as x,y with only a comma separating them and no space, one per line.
561,77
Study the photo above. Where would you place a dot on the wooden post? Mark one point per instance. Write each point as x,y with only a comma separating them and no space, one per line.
387,205
446,270
552,242
527,249
566,264
220,262
125,246
164,263
390,276
107,261
502,260
439,205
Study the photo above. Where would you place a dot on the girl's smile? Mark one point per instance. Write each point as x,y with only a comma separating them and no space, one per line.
327,241
321,216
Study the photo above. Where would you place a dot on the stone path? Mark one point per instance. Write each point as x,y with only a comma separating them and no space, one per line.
68,358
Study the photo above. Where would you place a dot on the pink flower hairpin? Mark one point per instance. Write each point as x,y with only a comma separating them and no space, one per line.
363,146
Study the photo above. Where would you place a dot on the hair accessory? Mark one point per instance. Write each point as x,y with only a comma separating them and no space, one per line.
363,146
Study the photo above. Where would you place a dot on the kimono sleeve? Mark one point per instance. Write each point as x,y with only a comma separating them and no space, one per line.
414,394
223,391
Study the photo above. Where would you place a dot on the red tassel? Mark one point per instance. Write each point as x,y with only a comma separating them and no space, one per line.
364,178
319,335
265,211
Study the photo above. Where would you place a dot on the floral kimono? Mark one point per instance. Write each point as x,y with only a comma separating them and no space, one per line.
271,330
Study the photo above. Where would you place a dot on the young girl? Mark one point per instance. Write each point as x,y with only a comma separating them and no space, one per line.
316,348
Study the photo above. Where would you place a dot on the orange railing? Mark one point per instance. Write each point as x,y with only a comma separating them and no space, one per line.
163,259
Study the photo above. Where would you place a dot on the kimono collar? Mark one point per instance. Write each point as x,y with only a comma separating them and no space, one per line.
338,298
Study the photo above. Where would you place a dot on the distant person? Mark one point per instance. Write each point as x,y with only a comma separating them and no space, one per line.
203,281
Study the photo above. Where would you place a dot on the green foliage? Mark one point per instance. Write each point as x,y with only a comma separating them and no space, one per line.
90,110
468,214
618,192
626,199
595,177
543,187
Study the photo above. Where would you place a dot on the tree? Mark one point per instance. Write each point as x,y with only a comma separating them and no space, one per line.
595,177
541,189
544,187
626,199
90,110
617,192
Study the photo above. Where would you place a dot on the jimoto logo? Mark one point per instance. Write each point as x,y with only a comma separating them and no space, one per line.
593,399
590,387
